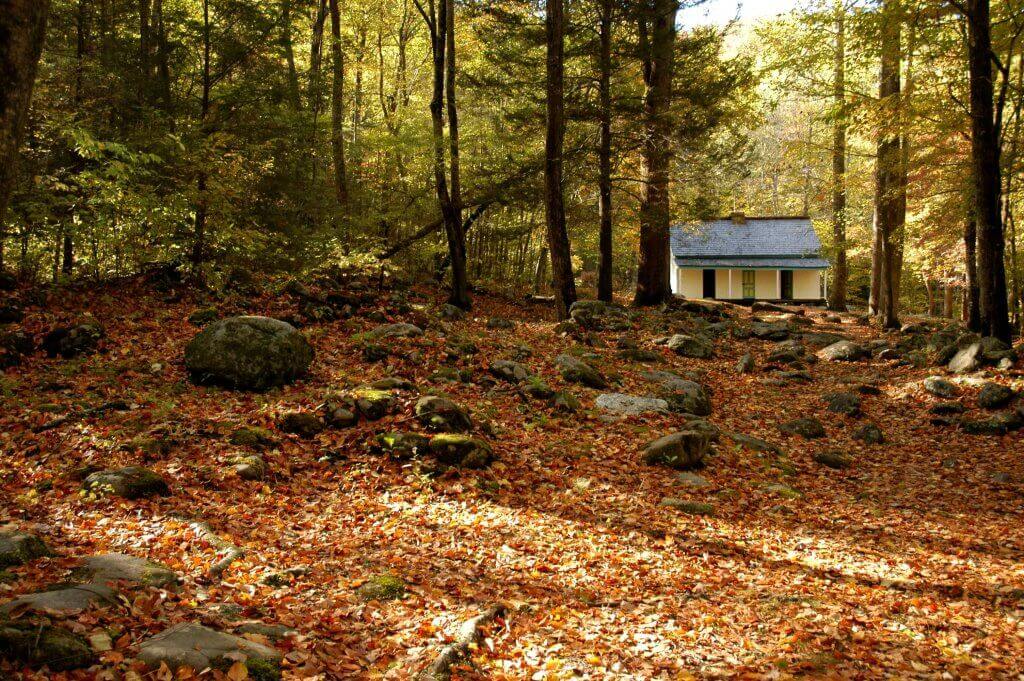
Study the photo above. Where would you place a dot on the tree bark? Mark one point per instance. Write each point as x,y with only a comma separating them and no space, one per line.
972,311
199,227
947,301
558,238
652,282
888,165
993,308
22,32
604,268
840,271
338,107
162,58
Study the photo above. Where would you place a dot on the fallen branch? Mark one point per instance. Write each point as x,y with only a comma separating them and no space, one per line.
441,667
231,552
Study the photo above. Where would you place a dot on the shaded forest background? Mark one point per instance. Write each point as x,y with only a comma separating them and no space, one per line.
228,135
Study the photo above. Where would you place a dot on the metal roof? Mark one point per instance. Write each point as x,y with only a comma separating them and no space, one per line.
784,238
754,263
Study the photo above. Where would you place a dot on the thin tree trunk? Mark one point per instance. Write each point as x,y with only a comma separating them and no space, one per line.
558,238
652,283
294,91
887,170
947,301
162,58
972,311
840,272
338,107
460,284
23,27
985,151
199,235
540,275
145,42
604,268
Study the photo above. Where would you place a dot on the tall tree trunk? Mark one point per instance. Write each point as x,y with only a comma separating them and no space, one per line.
558,238
604,181
199,228
887,167
460,284
22,31
652,282
162,58
972,310
985,151
947,300
338,107
540,275
840,271
287,46
145,43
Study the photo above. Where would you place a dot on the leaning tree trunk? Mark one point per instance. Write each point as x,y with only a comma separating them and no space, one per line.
22,31
652,282
338,107
604,180
887,169
993,308
841,272
558,239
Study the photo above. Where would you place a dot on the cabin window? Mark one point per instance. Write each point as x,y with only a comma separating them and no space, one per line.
748,283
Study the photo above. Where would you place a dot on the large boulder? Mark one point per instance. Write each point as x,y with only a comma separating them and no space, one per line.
682,450
193,645
120,567
995,395
65,600
248,353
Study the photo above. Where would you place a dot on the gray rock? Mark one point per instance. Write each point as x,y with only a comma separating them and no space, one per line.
36,645
690,346
773,331
499,323
399,330
114,567
746,364
753,443
248,353
339,413
193,645
301,423
845,403
940,387
17,548
843,351
966,360
513,372
630,405
441,414
994,350
681,394
693,480
453,449
995,396
869,434
998,424
392,383
451,313
274,632
784,491
64,600
806,427
577,371
682,450
947,408
131,482
250,467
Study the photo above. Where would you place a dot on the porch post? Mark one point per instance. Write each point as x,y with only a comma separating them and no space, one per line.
778,284
823,275
730,284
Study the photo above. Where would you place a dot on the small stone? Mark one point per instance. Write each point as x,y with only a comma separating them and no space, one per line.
373,404
577,371
453,449
253,436
499,323
402,445
690,346
947,408
784,491
806,427
399,330
843,351
630,405
565,403
833,459
301,423
113,567
682,450
999,424
441,414
753,443
745,365
339,414
844,403
682,395
869,434
203,316
513,372
251,467
451,313
18,548
66,600
386,587
693,480
940,387
995,396
131,482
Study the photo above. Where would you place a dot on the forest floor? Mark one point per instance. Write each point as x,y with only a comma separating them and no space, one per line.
907,563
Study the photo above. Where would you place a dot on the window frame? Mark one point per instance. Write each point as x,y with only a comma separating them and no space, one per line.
752,284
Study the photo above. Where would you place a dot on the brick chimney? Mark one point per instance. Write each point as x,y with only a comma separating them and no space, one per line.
738,217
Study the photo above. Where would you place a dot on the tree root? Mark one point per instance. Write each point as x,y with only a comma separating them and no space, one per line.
231,552
440,669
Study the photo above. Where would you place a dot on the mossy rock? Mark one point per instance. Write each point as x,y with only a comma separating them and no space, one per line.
441,414
689,507
402,445
17,548
113,567
43,645
153,447
372,403
386,587
253,436
681,451
130,482
250,467
454,449
301,423
203,316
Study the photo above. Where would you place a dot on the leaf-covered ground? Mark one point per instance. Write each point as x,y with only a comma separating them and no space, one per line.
907,564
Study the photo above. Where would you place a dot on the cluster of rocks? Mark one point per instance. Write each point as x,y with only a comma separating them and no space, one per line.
991,396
